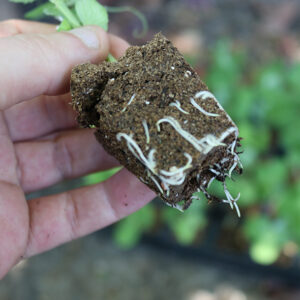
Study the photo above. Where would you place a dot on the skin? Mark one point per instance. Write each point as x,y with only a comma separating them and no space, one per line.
40,144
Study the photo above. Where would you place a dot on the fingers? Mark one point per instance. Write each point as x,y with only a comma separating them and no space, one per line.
117,46
59,219
68,155
36,64
13,27
8,161
14,221
39,117
46,114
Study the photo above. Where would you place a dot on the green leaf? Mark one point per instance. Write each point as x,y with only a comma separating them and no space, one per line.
66,12
38,12
100,176
52,11
267,237
270,77
90,12
271,177
65,26
289,208
241,105
249,192
265,252
23,1
257,138
70,2
110,58
186,226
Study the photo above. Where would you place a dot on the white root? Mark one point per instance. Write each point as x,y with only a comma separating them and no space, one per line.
195,104
176,176
224,160
237,160
131,99
143,180
209,142
231,201
185,134
204,145
229,131
233,167
210,181
157,184
198,179
146,131
232,147
206,94
175,170
187,74
149,162
177,206
215,171
178,106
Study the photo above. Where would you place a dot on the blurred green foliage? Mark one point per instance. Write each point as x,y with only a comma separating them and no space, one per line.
99,176
129,230
185,225
264,101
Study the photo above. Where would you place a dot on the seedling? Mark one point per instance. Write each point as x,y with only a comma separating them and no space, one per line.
75,13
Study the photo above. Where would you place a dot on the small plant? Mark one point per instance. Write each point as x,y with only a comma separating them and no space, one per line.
75,13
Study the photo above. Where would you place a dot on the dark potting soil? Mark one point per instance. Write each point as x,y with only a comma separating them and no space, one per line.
155,115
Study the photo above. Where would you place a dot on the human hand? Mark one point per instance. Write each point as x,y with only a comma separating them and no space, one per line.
40,144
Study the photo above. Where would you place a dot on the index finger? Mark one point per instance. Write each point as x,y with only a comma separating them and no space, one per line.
60,218
36,64
14,26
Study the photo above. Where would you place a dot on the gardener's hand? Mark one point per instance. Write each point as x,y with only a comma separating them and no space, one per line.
40,144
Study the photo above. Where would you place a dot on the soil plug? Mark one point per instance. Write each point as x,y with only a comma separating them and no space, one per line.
153,113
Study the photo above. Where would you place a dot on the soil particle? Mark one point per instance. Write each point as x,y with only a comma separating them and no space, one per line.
155,115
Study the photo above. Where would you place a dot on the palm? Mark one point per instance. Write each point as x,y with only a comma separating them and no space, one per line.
41,145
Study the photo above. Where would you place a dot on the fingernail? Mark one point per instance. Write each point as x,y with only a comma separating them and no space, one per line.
88,36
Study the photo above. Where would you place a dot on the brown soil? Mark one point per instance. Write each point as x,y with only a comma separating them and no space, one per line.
126,99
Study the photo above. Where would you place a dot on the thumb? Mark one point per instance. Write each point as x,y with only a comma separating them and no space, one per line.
35,64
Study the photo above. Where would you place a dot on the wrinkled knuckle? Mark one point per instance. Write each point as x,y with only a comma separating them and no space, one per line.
9,27
72,215
63,157
11,22
107,197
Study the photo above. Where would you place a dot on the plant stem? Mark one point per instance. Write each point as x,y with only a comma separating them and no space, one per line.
110,58
66,12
